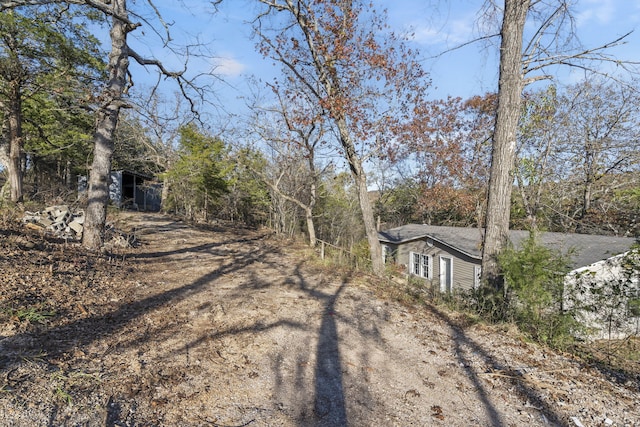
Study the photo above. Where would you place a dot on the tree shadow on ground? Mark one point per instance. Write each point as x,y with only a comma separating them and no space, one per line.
56,341
327,406
464,345
330,400
53,347
329,397
205,247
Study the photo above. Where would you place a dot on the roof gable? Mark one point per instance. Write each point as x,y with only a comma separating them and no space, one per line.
464,239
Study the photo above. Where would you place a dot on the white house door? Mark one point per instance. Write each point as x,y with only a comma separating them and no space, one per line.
446,274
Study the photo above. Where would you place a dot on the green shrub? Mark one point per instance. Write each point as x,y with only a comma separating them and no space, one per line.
533,294
489,303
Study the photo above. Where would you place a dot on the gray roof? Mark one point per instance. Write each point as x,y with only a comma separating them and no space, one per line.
588,248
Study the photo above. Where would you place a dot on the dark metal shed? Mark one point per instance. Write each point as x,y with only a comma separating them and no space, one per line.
129,189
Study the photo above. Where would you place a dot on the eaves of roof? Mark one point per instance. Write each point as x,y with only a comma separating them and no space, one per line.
587,248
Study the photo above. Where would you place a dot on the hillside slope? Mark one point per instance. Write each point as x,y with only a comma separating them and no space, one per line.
232,327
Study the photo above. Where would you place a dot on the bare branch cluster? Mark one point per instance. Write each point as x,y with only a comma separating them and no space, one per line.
102,6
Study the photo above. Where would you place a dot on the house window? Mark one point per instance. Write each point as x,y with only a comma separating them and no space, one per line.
421,265
387,254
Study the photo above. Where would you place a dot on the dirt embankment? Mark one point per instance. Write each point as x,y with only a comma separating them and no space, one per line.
231,327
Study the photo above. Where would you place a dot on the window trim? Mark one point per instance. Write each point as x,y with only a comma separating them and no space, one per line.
388,254
421,265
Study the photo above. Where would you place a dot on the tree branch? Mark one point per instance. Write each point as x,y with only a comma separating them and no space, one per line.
99,5
467,43
158,64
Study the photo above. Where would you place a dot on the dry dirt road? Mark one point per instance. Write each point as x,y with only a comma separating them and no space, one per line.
230,327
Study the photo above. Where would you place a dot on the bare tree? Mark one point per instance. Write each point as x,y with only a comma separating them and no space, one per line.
577,150
599,139
295,142
111,101
357,71
157,127
510,85
536,161
554,42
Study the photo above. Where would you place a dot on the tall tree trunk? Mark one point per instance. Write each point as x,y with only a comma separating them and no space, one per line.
311,229
510,85
360,179
313,195
106,121
14,122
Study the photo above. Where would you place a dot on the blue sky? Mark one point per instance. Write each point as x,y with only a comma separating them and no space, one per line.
437,26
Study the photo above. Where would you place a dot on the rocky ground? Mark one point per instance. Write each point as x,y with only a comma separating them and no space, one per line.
224,326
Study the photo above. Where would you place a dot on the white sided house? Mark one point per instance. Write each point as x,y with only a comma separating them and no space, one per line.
606,295
449,259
